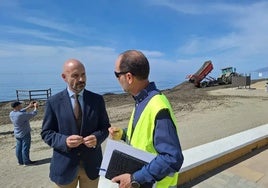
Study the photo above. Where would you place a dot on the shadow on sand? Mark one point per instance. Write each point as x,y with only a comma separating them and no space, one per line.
42,161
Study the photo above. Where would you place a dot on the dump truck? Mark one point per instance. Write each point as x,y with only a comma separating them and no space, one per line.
201,74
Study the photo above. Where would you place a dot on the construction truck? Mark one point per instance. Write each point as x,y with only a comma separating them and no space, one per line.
201,74
201,78
226,75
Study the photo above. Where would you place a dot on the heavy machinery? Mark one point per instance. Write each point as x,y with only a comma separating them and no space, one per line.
226,75
208,81
201,78
201,74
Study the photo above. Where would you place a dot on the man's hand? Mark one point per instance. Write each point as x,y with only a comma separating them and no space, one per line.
115,133
123,180
74,141
90,141
35,104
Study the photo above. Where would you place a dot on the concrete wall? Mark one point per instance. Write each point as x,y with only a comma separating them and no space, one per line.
204,158
243,81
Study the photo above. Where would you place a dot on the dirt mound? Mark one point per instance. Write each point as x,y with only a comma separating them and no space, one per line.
183,97
259,85
185,86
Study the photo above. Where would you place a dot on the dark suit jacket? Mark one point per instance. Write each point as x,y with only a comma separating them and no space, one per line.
59,123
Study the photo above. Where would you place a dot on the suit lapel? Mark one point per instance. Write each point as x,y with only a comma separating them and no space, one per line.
87,101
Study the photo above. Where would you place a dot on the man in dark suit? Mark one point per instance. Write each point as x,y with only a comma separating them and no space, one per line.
75,130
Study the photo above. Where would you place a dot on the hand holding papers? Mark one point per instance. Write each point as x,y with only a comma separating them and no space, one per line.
120,158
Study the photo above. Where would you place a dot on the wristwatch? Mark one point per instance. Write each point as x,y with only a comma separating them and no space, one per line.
133,183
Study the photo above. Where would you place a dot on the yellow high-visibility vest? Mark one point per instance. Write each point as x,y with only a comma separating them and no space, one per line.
142,137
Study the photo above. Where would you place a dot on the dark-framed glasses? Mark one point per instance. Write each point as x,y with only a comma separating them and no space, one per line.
117,74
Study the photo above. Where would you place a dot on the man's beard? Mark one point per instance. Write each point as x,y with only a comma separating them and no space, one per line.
79,86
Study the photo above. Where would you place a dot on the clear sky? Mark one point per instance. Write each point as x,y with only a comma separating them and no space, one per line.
177,36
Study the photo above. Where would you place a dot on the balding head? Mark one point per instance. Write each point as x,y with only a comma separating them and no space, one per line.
70,64
135,62
74,75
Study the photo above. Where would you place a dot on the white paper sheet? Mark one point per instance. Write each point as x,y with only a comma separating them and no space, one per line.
111,145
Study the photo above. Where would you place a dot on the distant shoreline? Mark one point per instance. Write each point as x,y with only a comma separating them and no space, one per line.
106,94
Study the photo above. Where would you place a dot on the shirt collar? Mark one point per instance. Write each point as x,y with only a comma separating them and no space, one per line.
145,92
71,93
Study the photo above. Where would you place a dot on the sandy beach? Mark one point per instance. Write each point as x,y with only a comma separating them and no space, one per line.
203,115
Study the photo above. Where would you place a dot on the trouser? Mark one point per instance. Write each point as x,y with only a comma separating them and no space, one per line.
82,178
23,149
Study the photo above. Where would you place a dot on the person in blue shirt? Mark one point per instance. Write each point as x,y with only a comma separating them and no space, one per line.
22,130
152,126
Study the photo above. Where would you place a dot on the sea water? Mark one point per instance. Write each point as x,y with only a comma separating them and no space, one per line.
97,82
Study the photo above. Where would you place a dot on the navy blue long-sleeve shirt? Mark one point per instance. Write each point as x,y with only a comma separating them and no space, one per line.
166,142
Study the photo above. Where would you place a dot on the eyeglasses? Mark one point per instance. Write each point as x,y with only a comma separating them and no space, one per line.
117,74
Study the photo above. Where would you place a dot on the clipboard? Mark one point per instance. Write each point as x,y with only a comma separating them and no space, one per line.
117,151
121,163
